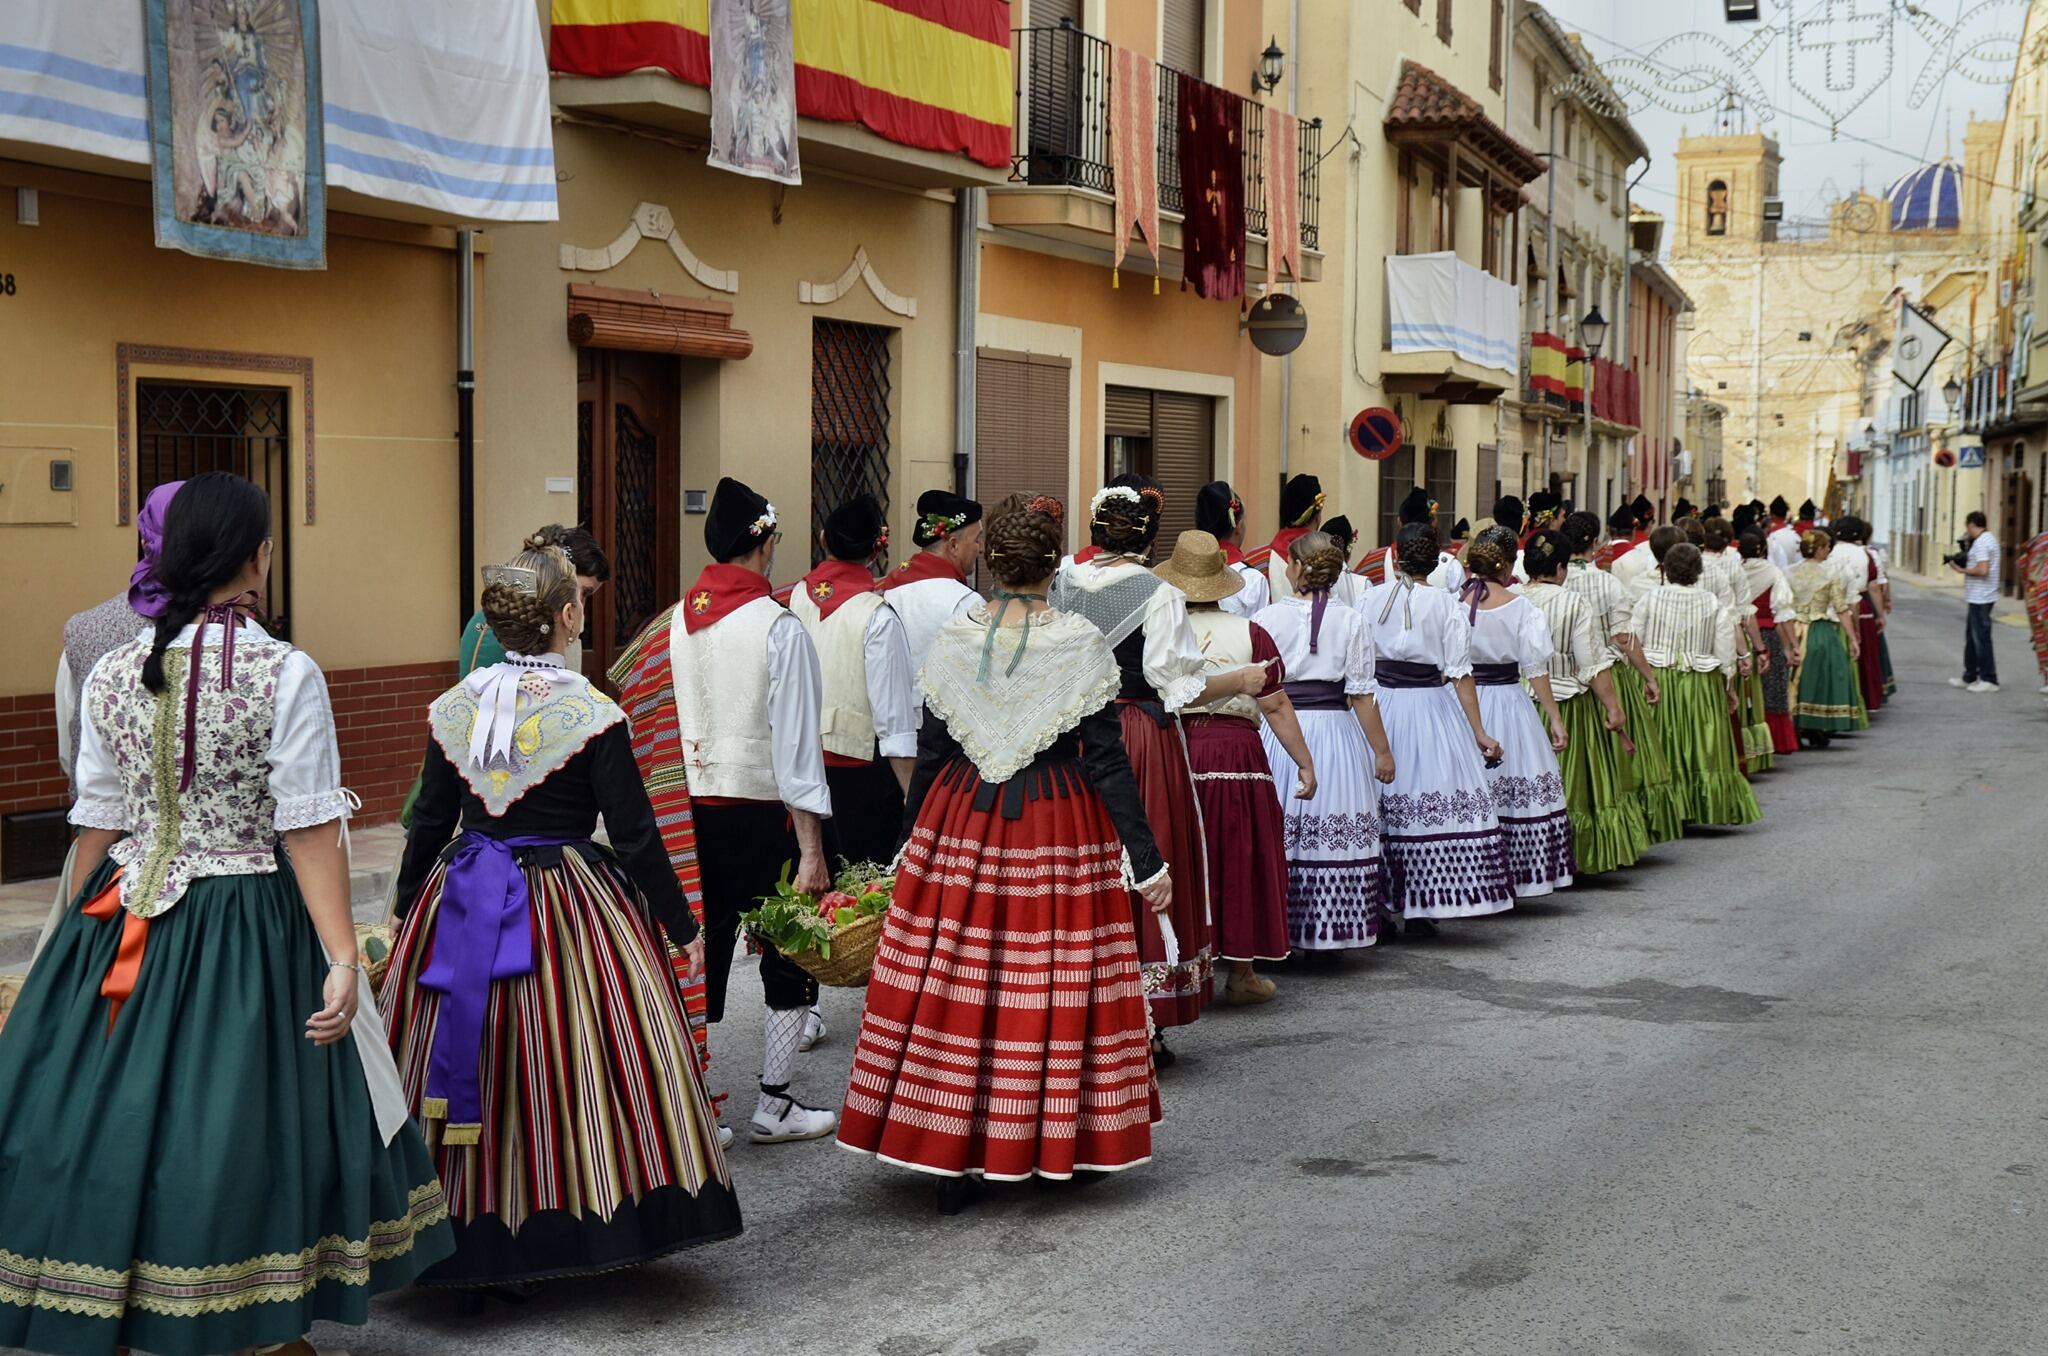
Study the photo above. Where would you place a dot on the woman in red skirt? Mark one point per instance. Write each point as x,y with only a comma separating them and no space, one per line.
1242,822
1145,621
1005,1031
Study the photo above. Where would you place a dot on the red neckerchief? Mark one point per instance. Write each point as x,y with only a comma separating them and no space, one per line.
1778,524
1611,552
1086,554
1231,555
1639,536
923,565
1803,526
834,582
721,589
1285,538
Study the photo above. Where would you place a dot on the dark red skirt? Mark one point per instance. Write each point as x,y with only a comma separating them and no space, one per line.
1246,837
1179,990
1005,1025
1869,662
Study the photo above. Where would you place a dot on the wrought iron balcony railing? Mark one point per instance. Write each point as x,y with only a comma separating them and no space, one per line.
1062,128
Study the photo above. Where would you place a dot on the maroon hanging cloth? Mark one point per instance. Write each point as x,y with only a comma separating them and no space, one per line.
1212,189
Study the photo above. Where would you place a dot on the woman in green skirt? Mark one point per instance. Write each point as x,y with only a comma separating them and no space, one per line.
1645,774
1608,830
1829,697
1689,636
203,1147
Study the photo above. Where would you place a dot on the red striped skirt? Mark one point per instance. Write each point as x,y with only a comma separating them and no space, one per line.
1005,1028
1179,990
598,1149
1246,836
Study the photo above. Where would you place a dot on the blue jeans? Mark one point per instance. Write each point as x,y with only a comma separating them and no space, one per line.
1978,662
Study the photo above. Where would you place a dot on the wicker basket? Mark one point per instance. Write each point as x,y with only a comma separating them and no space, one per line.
853,954
373,945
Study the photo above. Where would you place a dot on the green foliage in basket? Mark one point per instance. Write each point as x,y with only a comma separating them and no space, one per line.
795,923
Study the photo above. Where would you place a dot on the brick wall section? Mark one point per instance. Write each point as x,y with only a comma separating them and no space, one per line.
381,716
30,776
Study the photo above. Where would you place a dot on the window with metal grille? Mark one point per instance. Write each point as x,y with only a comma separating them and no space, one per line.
1441,480
849,417
184,429
1397,477
1167,435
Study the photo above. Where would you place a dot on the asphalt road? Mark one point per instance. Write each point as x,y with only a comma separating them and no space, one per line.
1778,1092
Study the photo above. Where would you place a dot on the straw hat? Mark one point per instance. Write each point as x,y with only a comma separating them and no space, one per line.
1199,569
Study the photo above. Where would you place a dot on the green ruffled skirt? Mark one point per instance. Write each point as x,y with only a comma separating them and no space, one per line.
1700,742
1830,696
1756,725
1663,812
200,1177
1608,830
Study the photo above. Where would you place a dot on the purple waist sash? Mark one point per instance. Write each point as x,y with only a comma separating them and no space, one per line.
1496,675
483,932
1316,694
1405,673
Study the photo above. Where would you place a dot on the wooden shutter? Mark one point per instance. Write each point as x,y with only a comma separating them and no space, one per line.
1180,38
1183,459
1020,426
1489,479
1441,481
1443,21
1496,55
1397,477
1048,13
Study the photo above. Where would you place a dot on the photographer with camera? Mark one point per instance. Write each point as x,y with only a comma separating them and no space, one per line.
1978,563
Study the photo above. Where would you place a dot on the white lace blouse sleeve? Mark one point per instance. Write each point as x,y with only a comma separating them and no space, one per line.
305,762
1534,644
1457,641
1173,657
67,707
1358,662
96,778
892,695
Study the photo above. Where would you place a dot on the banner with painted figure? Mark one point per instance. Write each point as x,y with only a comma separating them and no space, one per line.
235,127
753,90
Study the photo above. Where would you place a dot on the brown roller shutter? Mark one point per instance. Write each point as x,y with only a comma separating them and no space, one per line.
1048,13
1397,477
1126,412
1183,458
1020,426
1180,44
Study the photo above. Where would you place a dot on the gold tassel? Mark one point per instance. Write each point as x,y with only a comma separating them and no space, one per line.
462,1134
1155,284
1114,279
434,1108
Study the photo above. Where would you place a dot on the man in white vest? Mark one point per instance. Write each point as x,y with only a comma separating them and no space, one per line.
747,699
930,588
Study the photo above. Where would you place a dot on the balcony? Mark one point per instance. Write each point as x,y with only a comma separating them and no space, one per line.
1453,331
1060,168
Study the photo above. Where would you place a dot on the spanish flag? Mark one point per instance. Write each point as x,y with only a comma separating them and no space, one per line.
934,74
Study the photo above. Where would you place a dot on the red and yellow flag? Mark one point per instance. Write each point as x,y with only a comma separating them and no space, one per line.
934,74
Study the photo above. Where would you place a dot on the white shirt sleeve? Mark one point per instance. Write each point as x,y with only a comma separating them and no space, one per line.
1783,604
67,707
1724,639
1457,643
1588,656
1536,646
1358,663
1172,661
1449,575
99,803
305,760
892,695
795,695
1247,601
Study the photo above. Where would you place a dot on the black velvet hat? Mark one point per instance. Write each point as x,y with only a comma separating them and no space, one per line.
1416,508
738,521
854,528
1461,529
1341,532
1622,521
1544,502
1300,501
1508,512
1218,510
940,513
1645,511
1806,510
1779,508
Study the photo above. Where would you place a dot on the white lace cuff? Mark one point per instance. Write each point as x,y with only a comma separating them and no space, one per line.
1183,690
100,812
305,812
1130,875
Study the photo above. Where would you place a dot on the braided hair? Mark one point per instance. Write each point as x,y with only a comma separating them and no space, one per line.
1581,531
214,527
1548,552
1124,527
1814,541
524,620
1416,549
1320,558
1488,559
1022,540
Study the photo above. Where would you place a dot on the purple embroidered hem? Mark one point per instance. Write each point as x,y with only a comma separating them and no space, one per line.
1448,875
1541,856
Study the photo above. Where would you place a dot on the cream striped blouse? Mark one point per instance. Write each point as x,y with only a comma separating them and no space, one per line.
1683,626
1609,602
1578,653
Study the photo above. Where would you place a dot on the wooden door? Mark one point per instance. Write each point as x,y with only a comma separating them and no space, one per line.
2015,528
628,473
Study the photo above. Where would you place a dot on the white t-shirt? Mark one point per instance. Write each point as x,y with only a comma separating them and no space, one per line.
1984,550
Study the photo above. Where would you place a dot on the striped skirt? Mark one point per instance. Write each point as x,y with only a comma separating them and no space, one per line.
1005,1032
598,1148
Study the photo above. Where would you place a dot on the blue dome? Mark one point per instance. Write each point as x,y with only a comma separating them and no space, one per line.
1928,199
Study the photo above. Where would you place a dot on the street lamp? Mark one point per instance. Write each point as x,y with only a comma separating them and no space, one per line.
1593,330
1870,434
1951,391
1270,68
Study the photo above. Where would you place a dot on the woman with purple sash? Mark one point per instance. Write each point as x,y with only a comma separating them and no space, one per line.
538,1029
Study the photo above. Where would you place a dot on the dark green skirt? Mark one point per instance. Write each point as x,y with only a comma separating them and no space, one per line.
201,1177
1700,742
1663,812
1607,817
1830,697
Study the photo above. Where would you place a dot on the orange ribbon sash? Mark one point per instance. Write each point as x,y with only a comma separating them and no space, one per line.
119,985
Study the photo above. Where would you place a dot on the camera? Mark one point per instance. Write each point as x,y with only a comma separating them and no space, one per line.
1961,559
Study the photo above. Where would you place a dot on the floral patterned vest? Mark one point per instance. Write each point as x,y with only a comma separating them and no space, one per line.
224,824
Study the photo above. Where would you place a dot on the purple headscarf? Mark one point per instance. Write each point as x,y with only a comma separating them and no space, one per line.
146,594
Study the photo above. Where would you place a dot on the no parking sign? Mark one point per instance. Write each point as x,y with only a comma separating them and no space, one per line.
1375,433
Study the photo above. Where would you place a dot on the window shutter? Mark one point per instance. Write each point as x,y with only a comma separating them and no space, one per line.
1397,477
1498,57
1442,483
1126,412
1489,479
1020,426
1443,21
1180,37
1183,459
1048,13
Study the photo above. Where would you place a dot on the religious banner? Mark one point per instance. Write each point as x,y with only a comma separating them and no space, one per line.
1134,153
238,165
1283,195
753,90
1920,343
1212,189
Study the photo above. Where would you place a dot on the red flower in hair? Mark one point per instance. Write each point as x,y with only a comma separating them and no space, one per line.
1049,506
1155,496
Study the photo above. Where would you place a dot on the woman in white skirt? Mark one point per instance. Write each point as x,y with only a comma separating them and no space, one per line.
1442,841
1334,870
1510,643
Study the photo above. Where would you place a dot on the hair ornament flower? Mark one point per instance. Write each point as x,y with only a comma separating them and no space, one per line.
939,526
1113,494
764,524
1049,506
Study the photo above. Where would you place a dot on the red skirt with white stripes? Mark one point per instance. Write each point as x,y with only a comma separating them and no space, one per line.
1005,1028
599,1149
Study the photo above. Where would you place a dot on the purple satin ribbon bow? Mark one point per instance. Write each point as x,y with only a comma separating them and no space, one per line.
146,593
1473,590
228,617
483,932
1319,602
